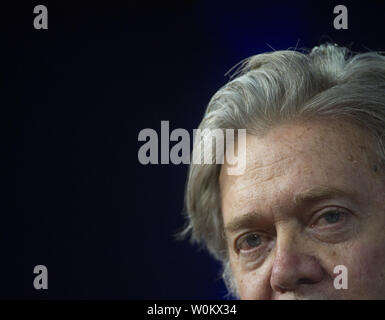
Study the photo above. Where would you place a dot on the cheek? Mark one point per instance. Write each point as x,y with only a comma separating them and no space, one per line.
367,270
252,285
365,263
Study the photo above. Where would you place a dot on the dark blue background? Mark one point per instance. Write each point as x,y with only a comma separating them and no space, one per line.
75,97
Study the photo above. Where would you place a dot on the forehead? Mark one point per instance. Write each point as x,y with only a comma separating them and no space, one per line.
295,157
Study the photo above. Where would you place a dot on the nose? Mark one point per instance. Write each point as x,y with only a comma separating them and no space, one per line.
294,266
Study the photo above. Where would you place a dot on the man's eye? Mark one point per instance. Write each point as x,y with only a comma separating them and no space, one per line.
249,242
332,217
329,218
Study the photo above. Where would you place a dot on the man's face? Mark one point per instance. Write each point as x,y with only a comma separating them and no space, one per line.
312,197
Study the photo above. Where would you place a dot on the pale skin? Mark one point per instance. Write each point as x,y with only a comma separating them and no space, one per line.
312,197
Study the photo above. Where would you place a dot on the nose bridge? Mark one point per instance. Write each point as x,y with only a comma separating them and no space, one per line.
288,246
293,262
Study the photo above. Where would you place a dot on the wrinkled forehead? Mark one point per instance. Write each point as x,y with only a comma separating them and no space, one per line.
301,155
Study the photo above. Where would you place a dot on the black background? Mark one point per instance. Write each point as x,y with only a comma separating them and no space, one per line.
75,96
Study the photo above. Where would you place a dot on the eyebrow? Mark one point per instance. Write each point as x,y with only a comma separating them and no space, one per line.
306,197
319,193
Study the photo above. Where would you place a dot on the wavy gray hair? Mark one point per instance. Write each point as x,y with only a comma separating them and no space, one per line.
269,89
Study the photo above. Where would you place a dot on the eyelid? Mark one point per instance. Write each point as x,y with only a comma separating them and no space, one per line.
239,241
320,213
244,236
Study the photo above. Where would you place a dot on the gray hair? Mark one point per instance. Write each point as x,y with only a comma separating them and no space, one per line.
269,89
